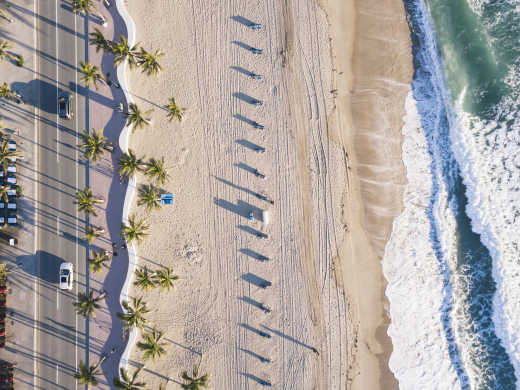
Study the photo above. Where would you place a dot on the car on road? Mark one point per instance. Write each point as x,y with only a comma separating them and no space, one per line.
66,276
64,101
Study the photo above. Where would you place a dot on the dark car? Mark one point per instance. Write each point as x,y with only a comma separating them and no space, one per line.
64,101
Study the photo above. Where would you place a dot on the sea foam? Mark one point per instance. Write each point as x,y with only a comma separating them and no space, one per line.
488,153
417,284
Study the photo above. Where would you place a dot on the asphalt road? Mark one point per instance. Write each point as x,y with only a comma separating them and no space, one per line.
61,339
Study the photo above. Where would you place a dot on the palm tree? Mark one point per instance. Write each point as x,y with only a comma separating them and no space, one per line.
149,61
98,39
174,111
164,278
95,144
87,375
91,74
86,304
126,382
123,52
98,261
86,201
194,382
134,316
3,193
4,271
150,197
4,50
151,345
144,279
129,164
83,7
8,93
7,156
156,170
4,5
135,118
135,230
91,233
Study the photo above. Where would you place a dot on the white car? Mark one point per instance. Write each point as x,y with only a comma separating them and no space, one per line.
66,276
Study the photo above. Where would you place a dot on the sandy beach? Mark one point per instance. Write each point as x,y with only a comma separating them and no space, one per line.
332,166
373,73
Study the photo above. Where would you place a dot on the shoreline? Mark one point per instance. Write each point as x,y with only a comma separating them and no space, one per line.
368,303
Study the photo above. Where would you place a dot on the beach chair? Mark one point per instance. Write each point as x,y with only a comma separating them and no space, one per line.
167,199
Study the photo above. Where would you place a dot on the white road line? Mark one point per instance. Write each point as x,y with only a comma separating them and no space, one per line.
57,299
76,159
57,89
35,333
57,372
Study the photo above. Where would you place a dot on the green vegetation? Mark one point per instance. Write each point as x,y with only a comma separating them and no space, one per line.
134,230
194,382
135,312
98,260
94,144
174,111
164,278
90,74
87,304
86,201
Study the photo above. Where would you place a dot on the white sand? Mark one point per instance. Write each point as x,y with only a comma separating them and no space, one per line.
204,235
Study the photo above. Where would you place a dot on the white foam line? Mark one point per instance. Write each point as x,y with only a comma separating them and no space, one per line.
130,192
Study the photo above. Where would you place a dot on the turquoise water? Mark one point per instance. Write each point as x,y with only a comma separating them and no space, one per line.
466,88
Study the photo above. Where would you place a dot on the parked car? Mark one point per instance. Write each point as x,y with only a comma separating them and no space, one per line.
66,276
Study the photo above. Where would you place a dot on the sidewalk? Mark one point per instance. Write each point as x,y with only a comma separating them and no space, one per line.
20,125
105,329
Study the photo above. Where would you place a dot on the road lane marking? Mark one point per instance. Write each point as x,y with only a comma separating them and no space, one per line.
58,232
77,173
57,371
57,298
57,89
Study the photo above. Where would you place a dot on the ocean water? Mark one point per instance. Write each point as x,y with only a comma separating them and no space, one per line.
453,260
